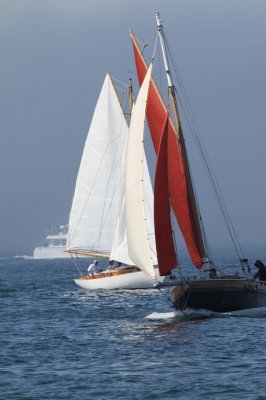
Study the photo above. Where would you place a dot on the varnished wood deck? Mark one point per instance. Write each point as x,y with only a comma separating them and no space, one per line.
110,273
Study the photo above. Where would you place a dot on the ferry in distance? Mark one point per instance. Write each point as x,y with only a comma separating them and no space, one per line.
54,246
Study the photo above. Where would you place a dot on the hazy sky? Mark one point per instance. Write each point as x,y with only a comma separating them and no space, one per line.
54,57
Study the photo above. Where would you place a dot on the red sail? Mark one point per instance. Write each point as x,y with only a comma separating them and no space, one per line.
178,190
162,221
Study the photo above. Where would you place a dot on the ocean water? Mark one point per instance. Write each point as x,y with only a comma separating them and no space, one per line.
61,342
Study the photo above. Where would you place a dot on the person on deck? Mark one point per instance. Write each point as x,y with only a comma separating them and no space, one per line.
93,268
261,273
110,265
213,273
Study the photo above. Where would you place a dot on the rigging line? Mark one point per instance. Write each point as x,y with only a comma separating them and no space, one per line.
116,164
216,187
76,265
144,45
94,181
202,228
121,82
123,91
74,231
154,51
207,163
218,194
126,102
172,97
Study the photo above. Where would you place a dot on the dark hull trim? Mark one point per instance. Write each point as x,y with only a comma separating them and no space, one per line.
220,295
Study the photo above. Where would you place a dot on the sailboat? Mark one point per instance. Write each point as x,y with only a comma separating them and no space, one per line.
174,191
109,186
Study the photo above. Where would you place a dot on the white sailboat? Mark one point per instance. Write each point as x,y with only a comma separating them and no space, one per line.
113,180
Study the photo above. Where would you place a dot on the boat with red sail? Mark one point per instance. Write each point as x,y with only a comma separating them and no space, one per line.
174,190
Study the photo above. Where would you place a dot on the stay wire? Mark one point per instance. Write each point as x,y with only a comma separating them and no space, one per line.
206,161
192,122
76,265
144,45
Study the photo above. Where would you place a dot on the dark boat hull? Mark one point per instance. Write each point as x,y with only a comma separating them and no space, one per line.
219,295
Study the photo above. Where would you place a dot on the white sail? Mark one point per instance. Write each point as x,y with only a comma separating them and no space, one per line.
97,199
149,209
120,246
137,231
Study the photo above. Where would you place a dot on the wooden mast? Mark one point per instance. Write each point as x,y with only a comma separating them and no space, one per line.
196,218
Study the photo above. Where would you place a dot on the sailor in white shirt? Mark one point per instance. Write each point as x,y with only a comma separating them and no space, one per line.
93,268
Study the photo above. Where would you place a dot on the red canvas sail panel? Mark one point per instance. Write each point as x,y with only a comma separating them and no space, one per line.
178,189
162,221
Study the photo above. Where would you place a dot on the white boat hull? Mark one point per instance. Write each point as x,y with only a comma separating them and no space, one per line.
132,280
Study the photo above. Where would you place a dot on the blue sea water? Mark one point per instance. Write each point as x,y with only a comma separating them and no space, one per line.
61,342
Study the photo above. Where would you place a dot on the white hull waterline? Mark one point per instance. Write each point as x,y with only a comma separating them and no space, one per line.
111,281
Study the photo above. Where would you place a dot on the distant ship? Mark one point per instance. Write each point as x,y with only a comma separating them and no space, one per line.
54,246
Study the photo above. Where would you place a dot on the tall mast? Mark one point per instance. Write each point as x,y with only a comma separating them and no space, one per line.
196,218
165,58
171,88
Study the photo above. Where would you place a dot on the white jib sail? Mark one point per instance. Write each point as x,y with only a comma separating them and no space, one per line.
120,246
136,224
97,199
